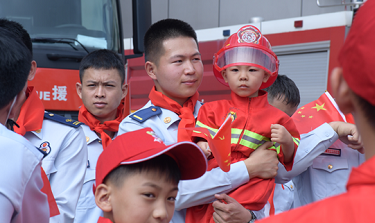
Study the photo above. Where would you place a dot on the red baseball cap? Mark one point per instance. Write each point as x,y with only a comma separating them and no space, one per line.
247,47
144,144
358,53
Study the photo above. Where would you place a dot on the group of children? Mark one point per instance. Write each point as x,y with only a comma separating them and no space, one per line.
151,165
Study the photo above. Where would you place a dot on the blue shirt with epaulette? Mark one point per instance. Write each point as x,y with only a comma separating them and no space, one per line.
144,114
62,119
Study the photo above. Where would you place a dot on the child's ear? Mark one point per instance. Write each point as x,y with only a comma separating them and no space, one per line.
224,74
341,91
266,77
150,68
102,197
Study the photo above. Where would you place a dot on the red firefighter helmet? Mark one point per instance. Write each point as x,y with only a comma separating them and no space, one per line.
247,47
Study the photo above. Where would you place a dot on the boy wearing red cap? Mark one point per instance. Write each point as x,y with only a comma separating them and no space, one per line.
353,95
137,176
246,64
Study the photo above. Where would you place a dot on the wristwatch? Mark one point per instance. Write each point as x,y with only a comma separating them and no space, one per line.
253,217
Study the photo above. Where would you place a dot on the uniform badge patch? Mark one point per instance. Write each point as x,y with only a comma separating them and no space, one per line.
156,138
45,147
248,35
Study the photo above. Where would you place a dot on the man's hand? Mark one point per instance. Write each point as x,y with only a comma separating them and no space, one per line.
262,162
348,134
228,210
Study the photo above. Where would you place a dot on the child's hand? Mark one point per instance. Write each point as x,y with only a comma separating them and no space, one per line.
280,135
205,148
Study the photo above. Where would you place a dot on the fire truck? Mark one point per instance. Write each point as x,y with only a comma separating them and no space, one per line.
307,48
63,32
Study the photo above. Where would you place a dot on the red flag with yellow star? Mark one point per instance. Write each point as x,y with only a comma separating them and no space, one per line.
220,144
315,113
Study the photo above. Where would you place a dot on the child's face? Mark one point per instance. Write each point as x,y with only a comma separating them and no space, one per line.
179,71
244,80
101,92
144,197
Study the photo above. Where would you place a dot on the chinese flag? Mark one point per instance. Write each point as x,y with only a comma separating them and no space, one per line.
220,144
315,113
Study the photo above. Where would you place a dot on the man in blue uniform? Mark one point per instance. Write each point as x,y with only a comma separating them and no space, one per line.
102,89
61,139
174,63
21,198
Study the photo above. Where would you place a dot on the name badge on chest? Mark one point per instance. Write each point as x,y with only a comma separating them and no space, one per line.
332,152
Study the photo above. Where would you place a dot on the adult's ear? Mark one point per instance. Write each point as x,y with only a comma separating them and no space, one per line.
150,68
32,71
341,91
102,197
79,89
124,89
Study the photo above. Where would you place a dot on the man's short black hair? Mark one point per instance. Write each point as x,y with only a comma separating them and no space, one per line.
163,30
163,165
19,31
284,87
102,60
15,64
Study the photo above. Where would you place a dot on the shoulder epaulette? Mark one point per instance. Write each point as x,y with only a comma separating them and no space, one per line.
144,114
62,119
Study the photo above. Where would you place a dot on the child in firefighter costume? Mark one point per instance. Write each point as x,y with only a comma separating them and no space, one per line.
246,64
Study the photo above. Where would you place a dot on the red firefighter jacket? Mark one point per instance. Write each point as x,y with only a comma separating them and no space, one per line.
251,127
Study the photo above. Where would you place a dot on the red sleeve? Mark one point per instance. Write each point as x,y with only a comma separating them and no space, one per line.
292,129
205,119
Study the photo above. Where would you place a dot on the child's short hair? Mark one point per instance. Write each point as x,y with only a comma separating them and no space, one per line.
284,88
102,60
143,150
246,47
163,30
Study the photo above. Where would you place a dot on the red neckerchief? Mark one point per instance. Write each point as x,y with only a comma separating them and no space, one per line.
31,114
86,117
31,119
104,220
185,112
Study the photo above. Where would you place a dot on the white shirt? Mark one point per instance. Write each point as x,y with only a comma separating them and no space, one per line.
21,198
87,211
316,175
65,165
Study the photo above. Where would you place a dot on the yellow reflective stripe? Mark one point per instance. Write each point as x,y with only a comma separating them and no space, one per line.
296,141
277,147
211,130
254,135
236,131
